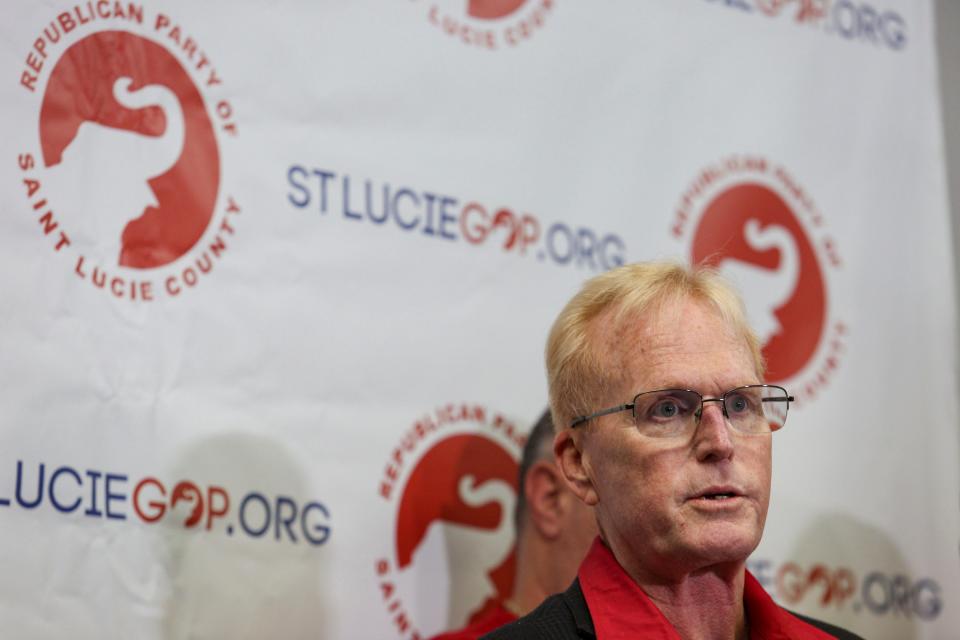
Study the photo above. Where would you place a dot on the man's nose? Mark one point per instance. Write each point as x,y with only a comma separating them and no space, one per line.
713,439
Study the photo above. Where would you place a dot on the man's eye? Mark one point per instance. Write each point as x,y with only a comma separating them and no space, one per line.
666,409
739,404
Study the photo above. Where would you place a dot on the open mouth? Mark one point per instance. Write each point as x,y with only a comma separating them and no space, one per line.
718,494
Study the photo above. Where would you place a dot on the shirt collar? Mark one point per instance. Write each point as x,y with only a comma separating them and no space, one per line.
620,609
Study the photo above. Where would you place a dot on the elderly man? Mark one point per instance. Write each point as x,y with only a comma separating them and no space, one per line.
554,531
664,427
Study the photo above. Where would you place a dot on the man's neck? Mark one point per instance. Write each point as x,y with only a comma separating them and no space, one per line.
702,603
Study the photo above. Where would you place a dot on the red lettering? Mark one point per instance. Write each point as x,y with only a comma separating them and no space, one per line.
217,246
190,47
794,590
25,160
80,17
63,242
34,62
224,110
159,507
171,286
188,491
40,46
213,510
67,22
529,232
49,224
162,22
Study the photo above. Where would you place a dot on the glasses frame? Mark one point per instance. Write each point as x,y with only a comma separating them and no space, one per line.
576,422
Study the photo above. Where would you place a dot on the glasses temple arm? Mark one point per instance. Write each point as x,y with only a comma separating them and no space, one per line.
581,419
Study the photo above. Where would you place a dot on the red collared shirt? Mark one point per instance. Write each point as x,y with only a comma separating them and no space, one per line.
622,611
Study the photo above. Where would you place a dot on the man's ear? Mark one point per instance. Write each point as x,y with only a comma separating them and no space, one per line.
542,487
567,449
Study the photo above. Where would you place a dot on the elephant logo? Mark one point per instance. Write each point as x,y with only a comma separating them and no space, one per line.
493,9
132,162
751,235
454,538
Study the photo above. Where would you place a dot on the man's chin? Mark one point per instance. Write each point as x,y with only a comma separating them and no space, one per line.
725,542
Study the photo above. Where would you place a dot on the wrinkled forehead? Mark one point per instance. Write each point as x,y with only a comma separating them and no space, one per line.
682,341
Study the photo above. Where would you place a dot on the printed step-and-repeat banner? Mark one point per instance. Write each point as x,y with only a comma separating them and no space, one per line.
277,279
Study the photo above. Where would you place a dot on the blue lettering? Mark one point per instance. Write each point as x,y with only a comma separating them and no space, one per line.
323,177
19,492
92,510
318,533
761,571
53,498
445,217
428,224
877,605
900,594
114,497
292,173
867,23
848,30
739,4
610,261
927,607
286,520
386,204
585,242
736,4
396,208
346,200
560,228
256,533
893,30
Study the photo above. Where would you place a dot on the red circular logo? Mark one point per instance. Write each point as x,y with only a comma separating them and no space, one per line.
458,503
751,235
132,158
452,479
493,9
490,24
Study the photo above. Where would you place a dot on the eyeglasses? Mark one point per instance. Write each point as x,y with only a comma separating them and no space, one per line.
752,409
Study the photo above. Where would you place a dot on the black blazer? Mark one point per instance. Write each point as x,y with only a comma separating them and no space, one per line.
565,616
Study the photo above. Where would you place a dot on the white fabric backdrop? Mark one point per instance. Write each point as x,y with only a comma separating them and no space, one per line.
275,444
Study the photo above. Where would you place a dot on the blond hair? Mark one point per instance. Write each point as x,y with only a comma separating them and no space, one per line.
576,371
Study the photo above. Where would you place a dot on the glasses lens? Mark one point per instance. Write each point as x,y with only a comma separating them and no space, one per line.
665,413
745,409
757,409
776,402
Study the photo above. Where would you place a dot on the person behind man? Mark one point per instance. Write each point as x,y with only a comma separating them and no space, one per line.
664,427
554,531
